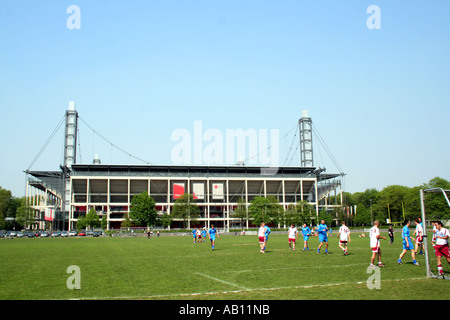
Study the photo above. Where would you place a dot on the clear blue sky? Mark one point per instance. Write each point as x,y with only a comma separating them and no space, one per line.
138,70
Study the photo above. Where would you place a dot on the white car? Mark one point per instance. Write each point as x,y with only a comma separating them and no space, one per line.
72,233
64,234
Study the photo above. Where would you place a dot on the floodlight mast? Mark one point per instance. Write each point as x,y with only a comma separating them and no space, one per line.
306,143
70,151
70,141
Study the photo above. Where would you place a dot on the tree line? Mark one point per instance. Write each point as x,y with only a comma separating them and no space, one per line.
392,204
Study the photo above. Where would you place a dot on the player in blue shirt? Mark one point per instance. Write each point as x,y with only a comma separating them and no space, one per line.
266,234
306,232
194,234
204,234
322,231
407,244
212,232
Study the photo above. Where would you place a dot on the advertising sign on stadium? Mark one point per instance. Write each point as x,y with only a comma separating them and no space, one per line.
178,190
217,191
199,190
48,214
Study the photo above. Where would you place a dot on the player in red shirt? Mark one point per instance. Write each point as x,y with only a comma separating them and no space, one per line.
441,246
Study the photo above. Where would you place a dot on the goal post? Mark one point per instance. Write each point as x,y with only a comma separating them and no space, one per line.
425,237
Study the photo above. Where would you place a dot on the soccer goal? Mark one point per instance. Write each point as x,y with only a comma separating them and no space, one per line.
423,193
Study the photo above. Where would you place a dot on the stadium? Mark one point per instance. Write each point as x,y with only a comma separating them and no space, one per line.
173,267
61,196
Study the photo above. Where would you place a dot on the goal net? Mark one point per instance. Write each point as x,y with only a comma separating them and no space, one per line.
423,193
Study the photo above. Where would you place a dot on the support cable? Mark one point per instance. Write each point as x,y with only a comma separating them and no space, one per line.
112,144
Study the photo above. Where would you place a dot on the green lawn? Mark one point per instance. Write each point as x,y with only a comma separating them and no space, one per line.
174,268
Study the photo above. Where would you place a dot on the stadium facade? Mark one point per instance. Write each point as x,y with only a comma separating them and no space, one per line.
60,197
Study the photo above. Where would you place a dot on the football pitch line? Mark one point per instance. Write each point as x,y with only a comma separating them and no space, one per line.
222,281
297,268
242,290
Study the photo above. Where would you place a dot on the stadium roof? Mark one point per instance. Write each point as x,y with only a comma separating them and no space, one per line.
194,171
47,180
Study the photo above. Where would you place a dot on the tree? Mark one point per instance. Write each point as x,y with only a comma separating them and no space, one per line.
186,208
241,211
436,205
127,223
298,213
143,211
366,198
5,202
292,215
81,223
363,216
104,223
164,220
391,204
23,212
306,212
92,220
265,209
326,216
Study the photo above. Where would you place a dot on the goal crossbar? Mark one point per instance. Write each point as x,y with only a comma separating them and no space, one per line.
425,238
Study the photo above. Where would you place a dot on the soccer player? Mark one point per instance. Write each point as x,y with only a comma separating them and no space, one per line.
204,234
306,232
262,238
391,234
441,246
322,231
212,232
407,244
292,236
344,237
419,236
433,240
199,236
375,237
194,235
266,234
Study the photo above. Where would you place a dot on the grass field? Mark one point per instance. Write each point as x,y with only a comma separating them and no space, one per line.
168,268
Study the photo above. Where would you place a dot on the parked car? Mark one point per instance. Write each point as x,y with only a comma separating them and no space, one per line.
56,234
73,233
20,234
2,234
82,234
64,234
11,234
97,233
29,234
90,233
44,234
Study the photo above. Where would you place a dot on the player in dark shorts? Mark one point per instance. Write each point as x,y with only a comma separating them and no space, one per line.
391,235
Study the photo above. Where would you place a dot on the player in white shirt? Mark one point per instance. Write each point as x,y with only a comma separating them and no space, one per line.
433,240
375,237
292,236
419,236
441,246
262,237
199,236
344,237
